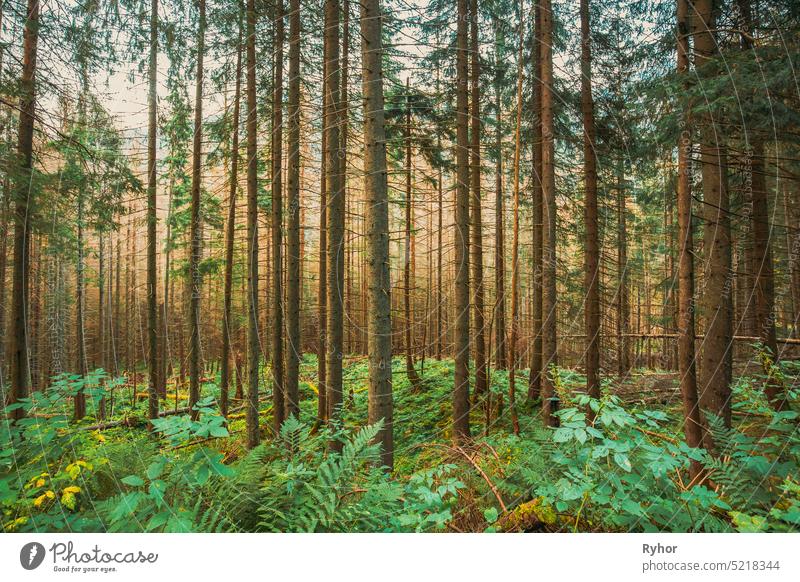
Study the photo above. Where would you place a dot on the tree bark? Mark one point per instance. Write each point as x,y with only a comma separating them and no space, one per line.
686,352
408,324
154,387
549,305
481,386
336,212
293,340
195,234
461,429
715,372
18,348
233,188
591,260
253,351
377,198
535,374
515,316
276,320
500,357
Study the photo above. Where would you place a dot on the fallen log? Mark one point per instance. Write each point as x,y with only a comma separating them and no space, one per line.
132,420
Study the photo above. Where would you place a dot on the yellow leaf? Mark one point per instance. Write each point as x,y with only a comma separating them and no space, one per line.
72,489
40,482
43,497
99,436
68,500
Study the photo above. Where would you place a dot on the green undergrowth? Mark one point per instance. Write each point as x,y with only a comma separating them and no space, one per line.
609,466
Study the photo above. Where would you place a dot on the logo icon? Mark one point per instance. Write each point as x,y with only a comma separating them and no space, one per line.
31,555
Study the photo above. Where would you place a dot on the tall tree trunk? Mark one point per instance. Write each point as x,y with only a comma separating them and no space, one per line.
549,342
343,128
440,223
715,373
81,364
591,260
500,357
154,387
476,229
230,231
514,338
765,283
195,226
293,339
277,225
253,351
377,198
322,283
408,322
623,300
535,375
461,430
336,207
18,348
686,353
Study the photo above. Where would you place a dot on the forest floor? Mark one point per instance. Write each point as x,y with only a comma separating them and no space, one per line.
624,470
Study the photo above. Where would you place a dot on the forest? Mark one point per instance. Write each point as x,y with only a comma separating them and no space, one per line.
399,266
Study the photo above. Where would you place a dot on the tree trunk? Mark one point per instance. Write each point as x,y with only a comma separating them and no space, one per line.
336,212
81,364
715,373
514,338
18,349
276,320
408,322
476,229
377,198
535,375
195,227
623,302
500,357
233,188
293,339
461,430
253,351
686,353
549,306
592,253
322,289
154,387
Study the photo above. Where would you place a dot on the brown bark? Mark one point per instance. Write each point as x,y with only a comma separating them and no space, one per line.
535,374
686,352
592,252
294,346
515,316
500,356
253,351
276,320
623,298
336,212
376,196
153,388
549,306
18,347
715,373
233,188
461,429
322,283
408,322
195,229
481,386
